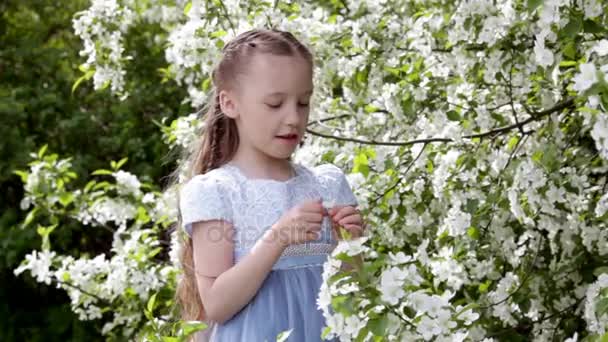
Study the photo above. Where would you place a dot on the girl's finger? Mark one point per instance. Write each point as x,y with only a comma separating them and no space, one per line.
348,210
351,219
312,217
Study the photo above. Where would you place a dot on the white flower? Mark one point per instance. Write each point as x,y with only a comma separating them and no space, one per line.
598,325
39,264
586,78
542,55
592,8
392,282
328,204
574,338
599,133
428,328
601,47
352,247
399,258
602,206
127,183
456,223
468,316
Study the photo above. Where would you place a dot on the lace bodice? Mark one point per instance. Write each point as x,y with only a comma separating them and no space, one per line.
253,205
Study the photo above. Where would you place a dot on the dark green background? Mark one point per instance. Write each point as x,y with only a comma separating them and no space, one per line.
38,65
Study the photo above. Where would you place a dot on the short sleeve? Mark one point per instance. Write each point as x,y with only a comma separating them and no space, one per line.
202,198
338,185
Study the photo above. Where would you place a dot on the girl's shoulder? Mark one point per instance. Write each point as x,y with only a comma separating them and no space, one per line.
327,172
217,179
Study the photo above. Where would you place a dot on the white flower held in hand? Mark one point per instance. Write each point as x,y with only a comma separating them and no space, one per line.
328,204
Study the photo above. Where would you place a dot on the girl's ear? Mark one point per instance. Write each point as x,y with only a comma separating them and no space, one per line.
228,104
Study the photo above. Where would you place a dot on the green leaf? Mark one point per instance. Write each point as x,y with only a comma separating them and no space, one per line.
325,332
568,63
378,325
218,34
570,50
84,77
142,215
533,5
187,7
512,143
600,270
483,287
151,302
361,163
573,27
601,307
370,109
193,326
453,115
101,172
42,151
206,84
66,198
121,162
22,175
283,335
473,233
155,251
590,26
29,218
45,232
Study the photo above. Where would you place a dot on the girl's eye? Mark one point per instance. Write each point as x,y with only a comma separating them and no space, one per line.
275,106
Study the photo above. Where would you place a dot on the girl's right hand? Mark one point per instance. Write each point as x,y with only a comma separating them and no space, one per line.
301,223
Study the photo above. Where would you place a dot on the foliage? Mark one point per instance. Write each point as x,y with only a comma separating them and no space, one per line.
477,137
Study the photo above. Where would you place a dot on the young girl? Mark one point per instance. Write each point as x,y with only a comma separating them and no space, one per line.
258,233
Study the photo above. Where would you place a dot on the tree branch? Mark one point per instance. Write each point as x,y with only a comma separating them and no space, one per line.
83,291
535,116
401,178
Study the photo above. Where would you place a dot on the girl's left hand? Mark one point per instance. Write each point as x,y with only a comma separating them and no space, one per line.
347,217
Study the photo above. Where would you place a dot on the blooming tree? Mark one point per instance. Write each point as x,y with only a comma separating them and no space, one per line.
476,138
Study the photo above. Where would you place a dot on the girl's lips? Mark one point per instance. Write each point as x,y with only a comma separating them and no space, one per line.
290,138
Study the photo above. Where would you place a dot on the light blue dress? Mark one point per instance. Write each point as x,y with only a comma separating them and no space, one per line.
288,296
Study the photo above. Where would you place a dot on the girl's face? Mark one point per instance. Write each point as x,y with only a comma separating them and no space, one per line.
271,99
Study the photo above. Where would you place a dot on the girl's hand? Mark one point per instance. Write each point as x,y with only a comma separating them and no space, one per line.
347,217
300,224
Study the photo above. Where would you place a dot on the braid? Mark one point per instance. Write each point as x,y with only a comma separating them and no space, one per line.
215,134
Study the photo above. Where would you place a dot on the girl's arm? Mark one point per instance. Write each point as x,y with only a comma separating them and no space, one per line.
225,288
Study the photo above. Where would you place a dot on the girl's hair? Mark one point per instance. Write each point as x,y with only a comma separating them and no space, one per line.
219,139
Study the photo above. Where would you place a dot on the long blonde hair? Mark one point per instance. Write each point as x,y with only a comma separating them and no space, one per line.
219,139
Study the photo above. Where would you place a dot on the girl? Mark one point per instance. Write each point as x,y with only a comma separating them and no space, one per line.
258,234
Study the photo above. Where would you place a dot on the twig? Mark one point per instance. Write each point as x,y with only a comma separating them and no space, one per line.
521,129
523,282
405,173
497,131
83,291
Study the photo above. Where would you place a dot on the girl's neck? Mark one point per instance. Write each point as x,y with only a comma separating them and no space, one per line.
280,170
